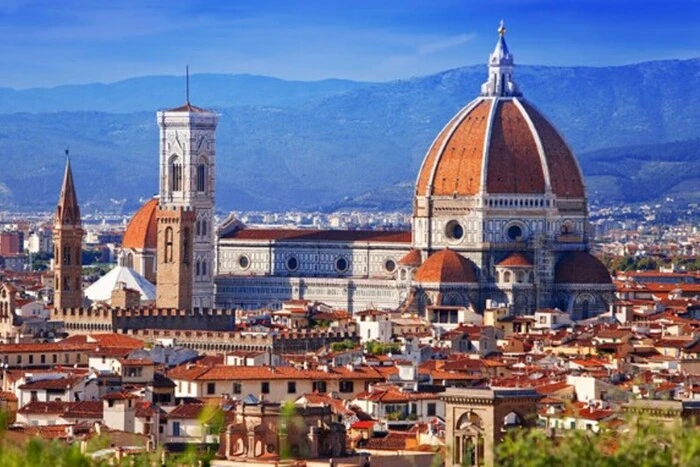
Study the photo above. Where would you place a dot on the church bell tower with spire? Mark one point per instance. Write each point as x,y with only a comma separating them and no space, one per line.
68,240
185,217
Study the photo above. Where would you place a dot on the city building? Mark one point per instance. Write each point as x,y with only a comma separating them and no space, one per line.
500,215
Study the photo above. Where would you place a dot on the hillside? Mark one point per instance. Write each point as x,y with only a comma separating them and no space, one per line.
150,93
644,173
291,144
632,174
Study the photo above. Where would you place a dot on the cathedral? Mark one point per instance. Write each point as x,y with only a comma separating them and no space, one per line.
500,218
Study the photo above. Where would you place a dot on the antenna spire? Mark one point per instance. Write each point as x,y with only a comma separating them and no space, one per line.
67,154
187,83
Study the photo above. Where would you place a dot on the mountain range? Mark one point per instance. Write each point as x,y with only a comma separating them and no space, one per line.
286,144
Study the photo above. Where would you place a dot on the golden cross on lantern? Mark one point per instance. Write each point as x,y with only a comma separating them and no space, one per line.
502,28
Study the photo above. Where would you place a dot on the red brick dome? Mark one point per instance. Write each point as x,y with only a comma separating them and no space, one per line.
516,260
446,266
579,267
412,258
499,145
142,231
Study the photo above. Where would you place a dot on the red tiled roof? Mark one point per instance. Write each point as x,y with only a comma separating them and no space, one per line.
85,409
363,425
142,231
337,405
53,407
453,162
303,235
579,267
446,266
187,107
236,373
104,340
57,383
111,352
45,347
8,396
514,164
515,260
412,258
186,411
565,176
119,396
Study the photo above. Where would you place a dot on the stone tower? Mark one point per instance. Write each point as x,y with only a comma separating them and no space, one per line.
477,420
185,217
67,239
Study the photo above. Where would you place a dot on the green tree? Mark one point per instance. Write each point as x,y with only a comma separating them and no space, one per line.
645,444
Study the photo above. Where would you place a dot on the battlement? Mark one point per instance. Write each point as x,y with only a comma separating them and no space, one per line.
175,208
208,331
167,312
103,311
222,341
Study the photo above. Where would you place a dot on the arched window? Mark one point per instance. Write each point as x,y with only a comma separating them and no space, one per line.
204,227
204,268
129,260
201,177
175,175
197,268
169,245
519,277
186,246
506,277
198,230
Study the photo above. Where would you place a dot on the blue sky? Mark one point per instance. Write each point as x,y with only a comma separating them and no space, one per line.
51,42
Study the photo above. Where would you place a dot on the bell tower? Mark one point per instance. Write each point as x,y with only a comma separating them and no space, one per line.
185,217
68,240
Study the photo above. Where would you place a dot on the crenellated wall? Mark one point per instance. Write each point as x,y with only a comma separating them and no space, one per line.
210,331
84,320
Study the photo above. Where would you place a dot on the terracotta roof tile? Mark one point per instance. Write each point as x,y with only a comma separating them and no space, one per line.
446,266
230,372
57,383
459,166
142,231
412,258
514,164
516,259
463,139
187,107
579,267
564,174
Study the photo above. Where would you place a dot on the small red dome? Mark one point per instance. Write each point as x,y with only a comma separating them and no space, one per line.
446,266
516,260
579,267
142,231
412,258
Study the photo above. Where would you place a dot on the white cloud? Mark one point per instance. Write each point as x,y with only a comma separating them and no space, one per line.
447,43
